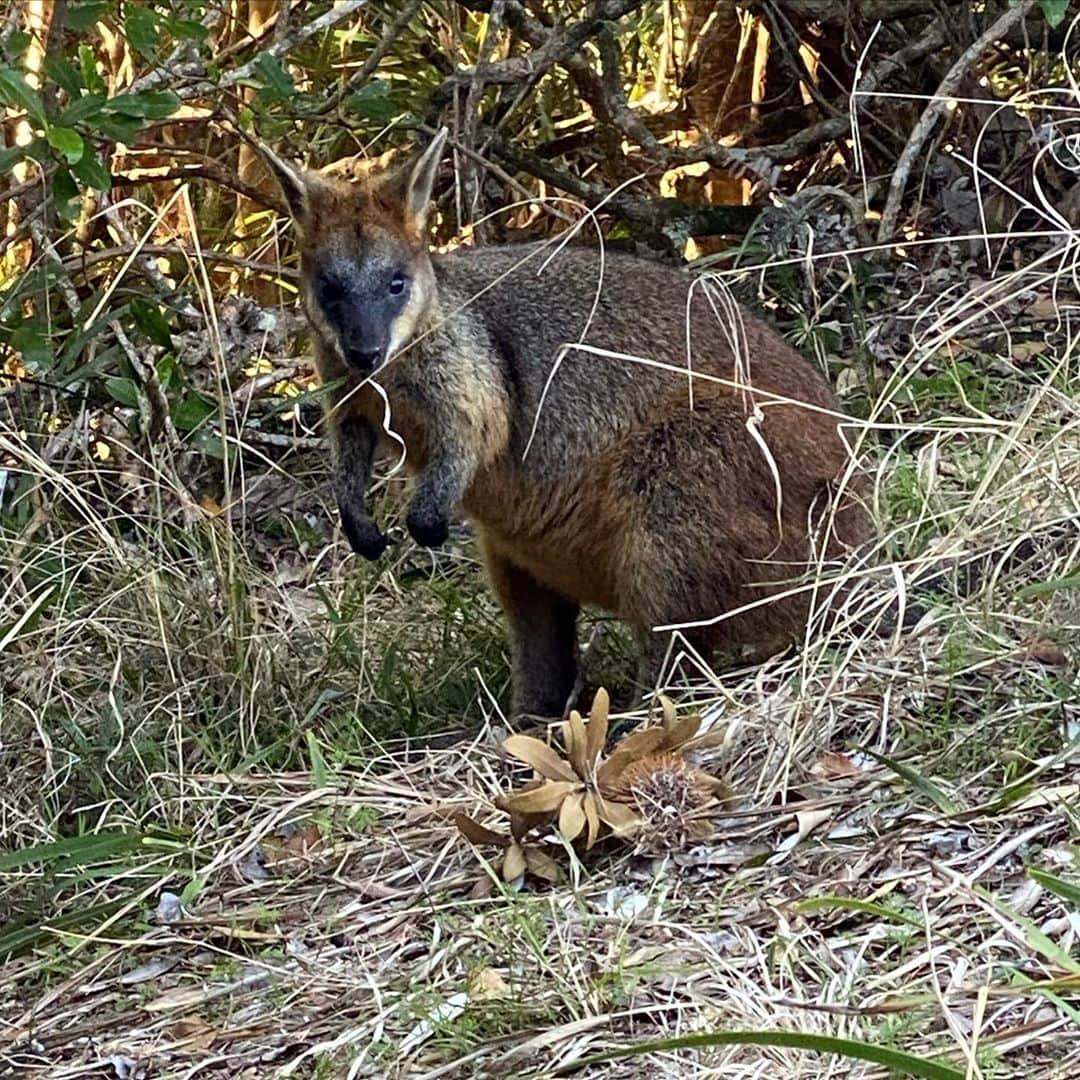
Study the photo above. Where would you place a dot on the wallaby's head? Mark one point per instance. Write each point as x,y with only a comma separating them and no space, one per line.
368,285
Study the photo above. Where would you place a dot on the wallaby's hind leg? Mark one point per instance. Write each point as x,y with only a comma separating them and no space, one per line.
543,630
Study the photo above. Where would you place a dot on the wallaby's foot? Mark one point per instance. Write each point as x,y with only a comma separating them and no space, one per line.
429,526
364,536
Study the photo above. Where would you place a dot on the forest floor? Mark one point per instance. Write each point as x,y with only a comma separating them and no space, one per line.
229,838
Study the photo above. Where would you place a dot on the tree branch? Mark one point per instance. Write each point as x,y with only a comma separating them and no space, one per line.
206,171
382,47
556,48
921,132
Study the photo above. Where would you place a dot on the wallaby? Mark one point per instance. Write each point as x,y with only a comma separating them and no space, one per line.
590,477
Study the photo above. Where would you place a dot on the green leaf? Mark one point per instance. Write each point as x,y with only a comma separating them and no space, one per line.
209,443
21,936
88,65
141,28
919,782
17,93
92,173
850,903
64,74
32,342
65,193
118,127
10,156
64,187
150,104
372,101
320,774
187,29
14,45
1067,890
278,84
68,141
151,322
82,108
191,411
1036,939
901,1062
1046,588
191,890
1054,11
73,850
83,16
126,391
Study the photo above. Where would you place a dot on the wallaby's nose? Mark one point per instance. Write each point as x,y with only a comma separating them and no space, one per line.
364,359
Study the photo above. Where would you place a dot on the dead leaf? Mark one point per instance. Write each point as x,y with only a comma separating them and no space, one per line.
1022,351
479,834
572,815
1046,652
1045,307
194,1032
834,766
538,756
486,984
514,864
542,800
542,865
809,820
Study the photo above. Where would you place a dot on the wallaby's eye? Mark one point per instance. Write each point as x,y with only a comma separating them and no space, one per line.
397,283
331,294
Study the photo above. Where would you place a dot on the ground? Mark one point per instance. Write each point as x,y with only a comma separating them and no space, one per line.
229,839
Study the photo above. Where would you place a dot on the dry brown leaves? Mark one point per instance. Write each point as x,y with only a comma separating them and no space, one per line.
643,790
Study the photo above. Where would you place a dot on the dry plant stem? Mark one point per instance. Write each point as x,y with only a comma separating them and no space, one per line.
933,111
45,246
833,13
145,261
160,420
502,175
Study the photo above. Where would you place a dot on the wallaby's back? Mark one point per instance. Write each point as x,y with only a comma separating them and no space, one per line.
627,497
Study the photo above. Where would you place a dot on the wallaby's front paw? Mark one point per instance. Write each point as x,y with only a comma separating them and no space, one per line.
427,527
365,537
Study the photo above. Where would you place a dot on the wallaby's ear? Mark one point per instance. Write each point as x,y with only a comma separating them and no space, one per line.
296,184
421,181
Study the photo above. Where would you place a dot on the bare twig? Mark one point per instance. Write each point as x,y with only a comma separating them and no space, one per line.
296,36
385,43
556,48
84,261
208,170
935,108
149,268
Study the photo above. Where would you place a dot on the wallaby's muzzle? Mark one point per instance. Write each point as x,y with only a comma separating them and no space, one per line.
363,357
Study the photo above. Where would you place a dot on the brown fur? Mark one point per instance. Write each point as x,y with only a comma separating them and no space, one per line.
628,498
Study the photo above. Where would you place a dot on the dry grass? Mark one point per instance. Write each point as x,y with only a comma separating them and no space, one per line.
218,865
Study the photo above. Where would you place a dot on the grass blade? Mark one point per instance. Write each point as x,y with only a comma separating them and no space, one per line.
73,850
901,1062
1067,890
919,782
